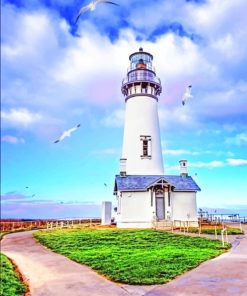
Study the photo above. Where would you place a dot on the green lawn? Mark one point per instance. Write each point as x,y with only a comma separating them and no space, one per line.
11,284
132,256
212,230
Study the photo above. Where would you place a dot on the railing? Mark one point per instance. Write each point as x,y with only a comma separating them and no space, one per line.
175,224
141,75
194,228
8,226
141,79
222,217
163,224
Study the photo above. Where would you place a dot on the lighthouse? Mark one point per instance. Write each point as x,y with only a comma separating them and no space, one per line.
141,153
144,194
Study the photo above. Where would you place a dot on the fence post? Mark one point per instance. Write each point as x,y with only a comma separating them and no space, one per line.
215,231
222,236
226,236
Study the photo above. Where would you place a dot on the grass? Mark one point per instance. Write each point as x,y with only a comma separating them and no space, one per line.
230,230
132,256
11,284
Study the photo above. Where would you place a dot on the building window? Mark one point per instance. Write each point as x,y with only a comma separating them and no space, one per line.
169,198
145,146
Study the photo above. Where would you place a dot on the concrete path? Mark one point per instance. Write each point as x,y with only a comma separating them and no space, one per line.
50,274
225,275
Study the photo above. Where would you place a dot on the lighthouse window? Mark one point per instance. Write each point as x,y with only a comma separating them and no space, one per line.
146,146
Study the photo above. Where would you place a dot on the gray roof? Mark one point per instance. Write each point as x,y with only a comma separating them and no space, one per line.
143,182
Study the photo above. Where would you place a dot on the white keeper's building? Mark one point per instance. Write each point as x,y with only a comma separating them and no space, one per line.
144,194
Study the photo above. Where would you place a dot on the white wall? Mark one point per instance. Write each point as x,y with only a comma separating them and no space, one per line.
183,204
134,210
141,118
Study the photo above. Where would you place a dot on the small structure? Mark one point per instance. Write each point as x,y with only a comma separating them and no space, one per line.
144,194
106,213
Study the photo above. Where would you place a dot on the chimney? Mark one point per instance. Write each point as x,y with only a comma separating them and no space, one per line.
183,168
123,166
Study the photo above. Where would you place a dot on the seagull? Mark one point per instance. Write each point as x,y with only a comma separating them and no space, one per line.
105,184
67,133
92,6
187,95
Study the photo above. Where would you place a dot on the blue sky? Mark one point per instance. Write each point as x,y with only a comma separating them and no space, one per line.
56,74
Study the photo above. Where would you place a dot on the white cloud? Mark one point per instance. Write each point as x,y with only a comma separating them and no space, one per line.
200,164
177,118
88,69
179,152
115,119
107,151
23,120
20,116
236,162
238,139
210,165
12,140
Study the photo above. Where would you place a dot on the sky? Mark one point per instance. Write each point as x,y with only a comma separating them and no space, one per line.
57,74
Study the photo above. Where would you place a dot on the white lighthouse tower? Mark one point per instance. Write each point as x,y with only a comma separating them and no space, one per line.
141,152
144,194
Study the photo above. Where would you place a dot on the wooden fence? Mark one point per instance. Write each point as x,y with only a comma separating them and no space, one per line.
12,225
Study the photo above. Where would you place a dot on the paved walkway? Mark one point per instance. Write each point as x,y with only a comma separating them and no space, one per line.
225,275
51,274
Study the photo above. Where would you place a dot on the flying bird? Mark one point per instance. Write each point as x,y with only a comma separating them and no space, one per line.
105,184
33,195
67,133
92,6
187,95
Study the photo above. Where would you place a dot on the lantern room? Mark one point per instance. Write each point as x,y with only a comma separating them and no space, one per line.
141,77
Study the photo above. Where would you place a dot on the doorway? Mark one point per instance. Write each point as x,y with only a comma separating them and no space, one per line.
160,205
